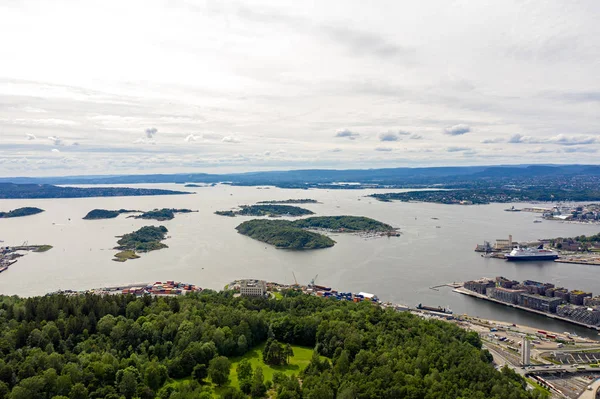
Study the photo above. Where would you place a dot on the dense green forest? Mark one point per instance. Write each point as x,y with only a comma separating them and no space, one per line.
115,346
148,238
162,214
96,214
26,211
283,234
343,223
267,210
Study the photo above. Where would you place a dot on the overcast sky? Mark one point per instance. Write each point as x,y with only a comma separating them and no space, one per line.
98,87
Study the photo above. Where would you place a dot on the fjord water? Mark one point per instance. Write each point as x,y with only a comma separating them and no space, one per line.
206,250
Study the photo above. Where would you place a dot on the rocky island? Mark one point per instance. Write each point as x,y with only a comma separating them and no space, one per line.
146,239
161,214
267,210
19,212
96,214
295,235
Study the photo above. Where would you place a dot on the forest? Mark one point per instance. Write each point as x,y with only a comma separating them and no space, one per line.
96,214
121,346
148,238
283,234
267,210
161,214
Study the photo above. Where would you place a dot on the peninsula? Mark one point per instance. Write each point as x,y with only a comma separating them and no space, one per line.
146,239
11,191
19,212
294,234
96,214
267,210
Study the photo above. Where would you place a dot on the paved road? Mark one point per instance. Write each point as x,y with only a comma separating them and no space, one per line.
591,394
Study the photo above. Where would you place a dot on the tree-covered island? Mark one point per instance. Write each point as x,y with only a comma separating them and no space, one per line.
146,239
291,201
295,234
11,190
97,214
161,214
19,212
267,210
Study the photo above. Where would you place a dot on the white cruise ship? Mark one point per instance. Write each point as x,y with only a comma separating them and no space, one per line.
525,254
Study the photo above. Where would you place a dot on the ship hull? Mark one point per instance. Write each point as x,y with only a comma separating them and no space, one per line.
530,258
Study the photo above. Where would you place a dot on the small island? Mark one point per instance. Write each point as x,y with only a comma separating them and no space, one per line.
97,214
283,234
19,212
161,214
146,239
291,201
294,234
267,210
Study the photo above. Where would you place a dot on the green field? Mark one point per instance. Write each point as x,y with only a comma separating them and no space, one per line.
298,362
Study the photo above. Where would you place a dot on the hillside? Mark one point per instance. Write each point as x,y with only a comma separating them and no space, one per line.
121,346
19,212
11,190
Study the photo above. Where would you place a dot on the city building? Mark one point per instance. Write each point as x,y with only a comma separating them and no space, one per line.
576,297
582,314
504,245
505,294
253,287
480,286
505,283
535,287
525,352
539,302
595,301
562,293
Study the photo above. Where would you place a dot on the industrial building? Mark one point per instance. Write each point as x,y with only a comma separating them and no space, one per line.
539,302
255,288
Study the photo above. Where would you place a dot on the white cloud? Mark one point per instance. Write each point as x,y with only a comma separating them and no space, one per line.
492,141
30,136
55,150
191,137
55,140
457,149
345,133
457,130
384,149
415,136
230,139
151,132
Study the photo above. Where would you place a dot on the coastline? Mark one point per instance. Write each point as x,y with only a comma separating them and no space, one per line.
464,291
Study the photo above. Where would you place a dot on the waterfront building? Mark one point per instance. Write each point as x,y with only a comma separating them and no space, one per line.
576,297
480,286
503,244
253,287
539,302
505,294
525,352
535,287
505,283
595,301
582,314
562,293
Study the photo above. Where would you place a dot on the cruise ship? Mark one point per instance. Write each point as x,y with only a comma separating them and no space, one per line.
525,254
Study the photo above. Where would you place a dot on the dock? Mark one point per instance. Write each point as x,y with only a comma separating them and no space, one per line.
464,291
593,261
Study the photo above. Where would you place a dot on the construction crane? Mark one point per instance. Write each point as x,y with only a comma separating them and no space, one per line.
312,282
296,285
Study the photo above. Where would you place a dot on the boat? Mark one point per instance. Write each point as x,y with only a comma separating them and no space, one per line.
3,268
528,254
439,309
512,209
537,221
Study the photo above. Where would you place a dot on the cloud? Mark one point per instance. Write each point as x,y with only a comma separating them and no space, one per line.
457,149
55,140
588,150
335,150
360,43
385,149
55,150
457,130
389,136
560,139
212,136
191,137
345,133
75,143
151,132
30,136
267,153
416,136
492,141
144,140
230,139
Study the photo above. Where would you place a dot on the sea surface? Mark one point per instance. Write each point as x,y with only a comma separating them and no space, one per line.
436,247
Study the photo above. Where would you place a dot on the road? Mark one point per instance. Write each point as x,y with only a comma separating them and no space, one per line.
592,393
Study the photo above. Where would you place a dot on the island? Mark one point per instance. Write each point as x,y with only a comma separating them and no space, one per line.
291,201
283,234
267,210
161,214
97,214
12,191
146,239
295,234
19,212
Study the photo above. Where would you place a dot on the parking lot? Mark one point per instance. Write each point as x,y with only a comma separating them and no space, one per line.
576,358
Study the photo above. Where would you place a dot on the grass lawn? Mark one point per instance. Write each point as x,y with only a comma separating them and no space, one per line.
298,362
277,295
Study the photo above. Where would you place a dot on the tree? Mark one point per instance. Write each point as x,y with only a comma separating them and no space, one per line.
156,375
218,370
258,389
79,391
244,370
242,344
289,352
200,373
127,381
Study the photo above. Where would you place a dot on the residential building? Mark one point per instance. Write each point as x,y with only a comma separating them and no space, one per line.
539,302
535,287
480,286
576,297
505,294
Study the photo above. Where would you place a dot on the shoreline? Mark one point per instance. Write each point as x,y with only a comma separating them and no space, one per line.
464,291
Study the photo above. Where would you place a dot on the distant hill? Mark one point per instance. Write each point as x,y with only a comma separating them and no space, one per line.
11,190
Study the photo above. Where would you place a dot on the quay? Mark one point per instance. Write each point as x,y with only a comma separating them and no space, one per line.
580,260
464,291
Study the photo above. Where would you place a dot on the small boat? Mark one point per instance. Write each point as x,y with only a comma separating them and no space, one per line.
537,221
3,268
439,309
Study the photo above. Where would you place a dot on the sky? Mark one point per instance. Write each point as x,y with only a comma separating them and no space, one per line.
116,87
